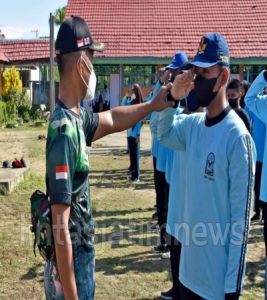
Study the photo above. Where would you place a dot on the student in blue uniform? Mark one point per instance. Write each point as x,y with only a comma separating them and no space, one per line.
258,135
257,104
162,153
234,96
220,156
175,192
177,201
133,134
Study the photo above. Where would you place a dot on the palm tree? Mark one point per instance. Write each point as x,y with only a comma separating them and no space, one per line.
60,15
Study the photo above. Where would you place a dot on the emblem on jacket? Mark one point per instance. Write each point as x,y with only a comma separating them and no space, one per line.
209,170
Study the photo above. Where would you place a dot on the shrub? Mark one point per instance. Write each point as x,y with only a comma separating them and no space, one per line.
3,113
11,81
11,110
24,113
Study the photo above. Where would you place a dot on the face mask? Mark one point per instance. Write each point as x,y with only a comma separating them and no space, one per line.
91,85
204,90
233,102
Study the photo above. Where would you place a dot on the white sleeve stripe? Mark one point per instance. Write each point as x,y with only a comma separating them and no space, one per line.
246,229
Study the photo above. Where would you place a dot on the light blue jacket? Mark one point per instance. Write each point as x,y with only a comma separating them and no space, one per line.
258,134
219,180
135,130
257,104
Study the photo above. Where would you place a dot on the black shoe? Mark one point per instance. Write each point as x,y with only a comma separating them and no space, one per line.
256,217
166,295
155,216
160,249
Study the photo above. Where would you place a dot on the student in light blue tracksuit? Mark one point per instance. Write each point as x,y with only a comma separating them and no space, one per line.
258,135
133,135
161,154
175,176
219,178
257,104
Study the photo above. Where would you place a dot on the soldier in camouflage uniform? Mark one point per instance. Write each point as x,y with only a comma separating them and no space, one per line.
69,274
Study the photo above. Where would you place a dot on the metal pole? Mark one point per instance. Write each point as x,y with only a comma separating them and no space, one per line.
52,75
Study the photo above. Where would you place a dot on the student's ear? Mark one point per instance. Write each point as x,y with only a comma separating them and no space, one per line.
225,76
79,66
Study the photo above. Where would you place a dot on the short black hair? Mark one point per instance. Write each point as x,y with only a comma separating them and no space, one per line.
60,64
64,61
234,84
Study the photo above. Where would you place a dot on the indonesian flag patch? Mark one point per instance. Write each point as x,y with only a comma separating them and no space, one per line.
80,43
61,172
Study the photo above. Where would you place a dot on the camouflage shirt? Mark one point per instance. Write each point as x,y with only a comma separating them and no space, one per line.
67,168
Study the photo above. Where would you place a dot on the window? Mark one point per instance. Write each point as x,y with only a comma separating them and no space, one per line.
25,77
234,69
252,71
141,74
103,74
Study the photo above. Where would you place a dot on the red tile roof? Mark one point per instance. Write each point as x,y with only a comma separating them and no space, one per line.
158,28
3,58
21,51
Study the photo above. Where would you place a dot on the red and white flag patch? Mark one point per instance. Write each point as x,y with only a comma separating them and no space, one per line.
61,172
80,43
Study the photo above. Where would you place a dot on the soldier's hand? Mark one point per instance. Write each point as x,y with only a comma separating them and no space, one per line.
160,101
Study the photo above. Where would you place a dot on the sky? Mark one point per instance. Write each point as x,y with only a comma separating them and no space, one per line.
19,19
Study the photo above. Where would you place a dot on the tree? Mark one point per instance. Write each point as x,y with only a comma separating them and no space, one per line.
60,15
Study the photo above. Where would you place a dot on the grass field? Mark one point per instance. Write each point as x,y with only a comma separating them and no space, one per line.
125,266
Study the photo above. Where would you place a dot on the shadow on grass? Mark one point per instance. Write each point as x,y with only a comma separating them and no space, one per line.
256,234
115,151
255,274
32,273
124,232
144,262
119,178
114,213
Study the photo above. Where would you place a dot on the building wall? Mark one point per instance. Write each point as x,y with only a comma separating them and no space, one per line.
35,74
1,78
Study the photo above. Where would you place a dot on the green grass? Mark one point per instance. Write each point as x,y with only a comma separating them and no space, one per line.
125,266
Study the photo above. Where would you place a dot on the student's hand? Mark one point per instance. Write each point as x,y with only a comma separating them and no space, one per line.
164,79
183,85
160,102
137,140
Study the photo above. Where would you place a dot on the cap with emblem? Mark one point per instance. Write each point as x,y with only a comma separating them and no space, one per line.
212,50
74,35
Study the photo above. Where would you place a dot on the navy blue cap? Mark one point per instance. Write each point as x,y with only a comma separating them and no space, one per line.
212,50
179,60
